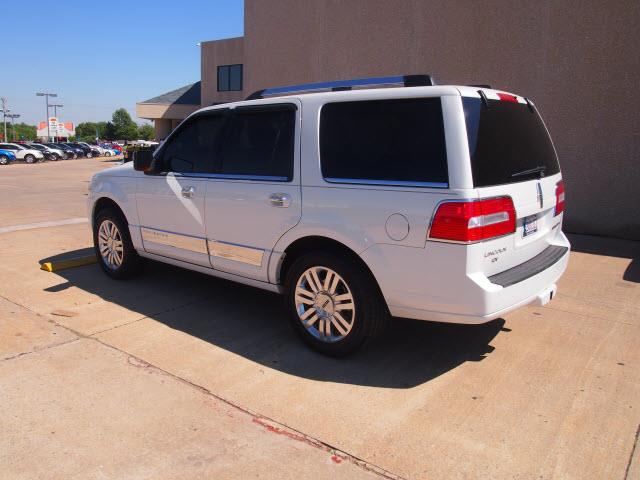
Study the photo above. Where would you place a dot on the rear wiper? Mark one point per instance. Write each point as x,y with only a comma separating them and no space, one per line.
540,169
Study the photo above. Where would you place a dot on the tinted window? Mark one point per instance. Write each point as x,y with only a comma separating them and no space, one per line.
384,140
8,147
192,149
235,77
229,78
260,143
508,143
223,78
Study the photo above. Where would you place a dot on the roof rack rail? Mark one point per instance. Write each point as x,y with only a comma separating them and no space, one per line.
339,85
483,85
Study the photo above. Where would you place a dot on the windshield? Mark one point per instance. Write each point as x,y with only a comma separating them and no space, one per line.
508,143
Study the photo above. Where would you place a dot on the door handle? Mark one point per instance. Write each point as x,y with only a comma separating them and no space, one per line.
282,200
187,192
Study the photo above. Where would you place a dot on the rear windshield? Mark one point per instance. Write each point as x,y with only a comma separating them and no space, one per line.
508,143
388,142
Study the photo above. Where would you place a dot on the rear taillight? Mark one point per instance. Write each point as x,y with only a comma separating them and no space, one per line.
505,97
559,198
473,221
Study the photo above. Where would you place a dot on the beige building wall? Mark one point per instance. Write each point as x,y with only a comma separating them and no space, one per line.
214,53
165,117
577,60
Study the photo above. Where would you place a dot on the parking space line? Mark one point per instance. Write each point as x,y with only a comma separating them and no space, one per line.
54,223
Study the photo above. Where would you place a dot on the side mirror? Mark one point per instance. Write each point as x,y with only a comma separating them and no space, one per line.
143,160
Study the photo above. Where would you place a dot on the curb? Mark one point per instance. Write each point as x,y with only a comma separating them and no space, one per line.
68,263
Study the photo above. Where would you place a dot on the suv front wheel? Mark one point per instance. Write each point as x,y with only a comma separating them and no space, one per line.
334,305
113,247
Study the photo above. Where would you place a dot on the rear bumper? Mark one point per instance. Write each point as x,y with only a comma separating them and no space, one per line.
474,298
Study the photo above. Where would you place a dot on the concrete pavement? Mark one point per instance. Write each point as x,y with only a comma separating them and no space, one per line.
545,393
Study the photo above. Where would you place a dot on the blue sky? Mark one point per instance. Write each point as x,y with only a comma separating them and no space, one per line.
99,56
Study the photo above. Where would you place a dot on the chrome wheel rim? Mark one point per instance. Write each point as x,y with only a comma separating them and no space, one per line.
324,304
110,244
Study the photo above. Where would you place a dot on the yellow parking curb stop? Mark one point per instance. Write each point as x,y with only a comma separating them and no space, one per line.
68,263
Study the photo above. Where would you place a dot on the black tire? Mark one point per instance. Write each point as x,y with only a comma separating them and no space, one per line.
132,263
4,160
29,158
370,314
55,157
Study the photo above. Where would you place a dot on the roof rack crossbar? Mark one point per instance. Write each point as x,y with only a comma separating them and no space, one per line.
339,85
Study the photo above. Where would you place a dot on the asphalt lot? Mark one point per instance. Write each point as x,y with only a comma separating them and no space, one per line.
180,375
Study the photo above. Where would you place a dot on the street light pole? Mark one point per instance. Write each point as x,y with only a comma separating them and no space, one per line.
4,116
55,108
13,116
46,95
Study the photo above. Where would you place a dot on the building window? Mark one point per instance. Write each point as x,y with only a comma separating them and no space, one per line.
229,78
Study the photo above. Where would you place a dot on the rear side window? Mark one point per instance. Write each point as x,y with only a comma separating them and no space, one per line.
508,143
260,143
384,142
192,149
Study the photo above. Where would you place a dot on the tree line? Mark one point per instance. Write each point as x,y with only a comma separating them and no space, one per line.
19,131
121,127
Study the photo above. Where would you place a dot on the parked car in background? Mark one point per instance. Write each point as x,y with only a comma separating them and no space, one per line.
101,151
89,151
440,203
79,151
68,151
108,150
118,148
6,157
21,152
49,153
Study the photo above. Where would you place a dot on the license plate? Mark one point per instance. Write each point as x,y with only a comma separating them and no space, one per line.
529,226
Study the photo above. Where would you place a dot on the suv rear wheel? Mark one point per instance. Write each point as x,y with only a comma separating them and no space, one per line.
113,247
4,159
333,305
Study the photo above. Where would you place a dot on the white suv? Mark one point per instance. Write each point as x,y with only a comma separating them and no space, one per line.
435,203
23,152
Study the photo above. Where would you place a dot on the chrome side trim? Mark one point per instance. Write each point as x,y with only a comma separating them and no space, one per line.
387,183
176,240
214,273
238,253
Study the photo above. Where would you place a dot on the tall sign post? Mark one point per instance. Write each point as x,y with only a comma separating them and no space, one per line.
46,95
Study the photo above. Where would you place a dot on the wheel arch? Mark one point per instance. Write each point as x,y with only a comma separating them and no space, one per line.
103,203
318,243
